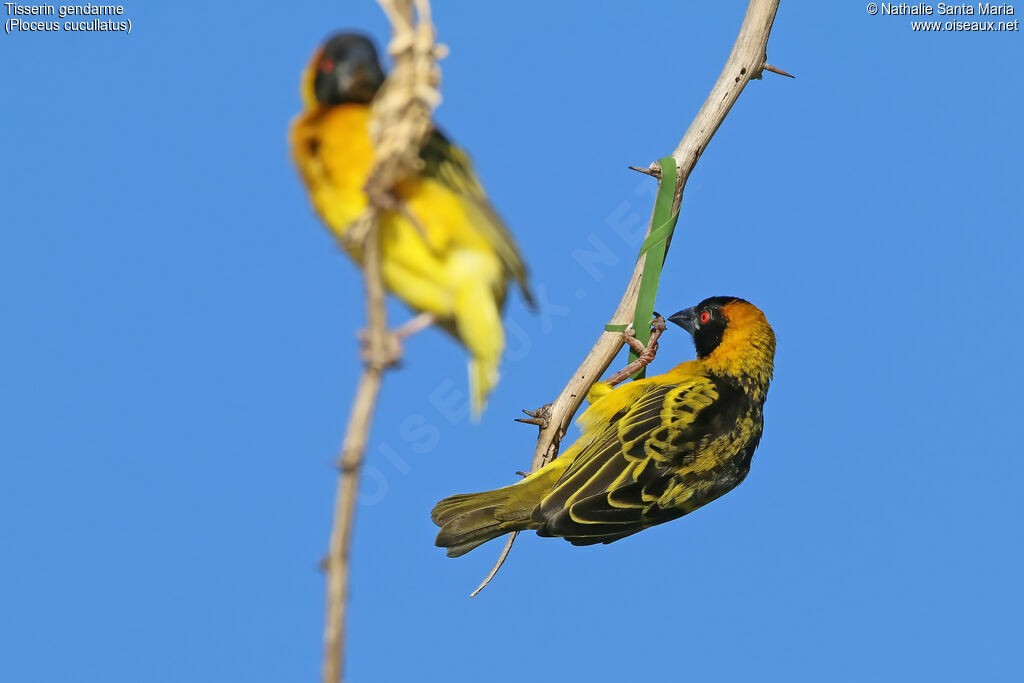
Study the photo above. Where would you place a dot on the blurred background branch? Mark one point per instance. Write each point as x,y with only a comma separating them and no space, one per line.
399,125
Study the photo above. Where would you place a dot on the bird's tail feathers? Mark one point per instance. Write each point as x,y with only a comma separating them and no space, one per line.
478,323
471,519
483,377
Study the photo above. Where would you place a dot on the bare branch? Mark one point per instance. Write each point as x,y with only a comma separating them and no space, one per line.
399,125
350,463
745,62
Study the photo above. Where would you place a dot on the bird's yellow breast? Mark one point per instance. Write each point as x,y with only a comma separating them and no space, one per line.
334,153
429,248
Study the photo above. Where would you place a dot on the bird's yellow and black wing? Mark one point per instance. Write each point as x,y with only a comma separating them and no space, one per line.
664,454
446,163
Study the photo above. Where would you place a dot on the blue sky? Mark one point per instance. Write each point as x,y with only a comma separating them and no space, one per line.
178,356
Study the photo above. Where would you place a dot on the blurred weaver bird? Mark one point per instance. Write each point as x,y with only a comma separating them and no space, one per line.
444,250
650,450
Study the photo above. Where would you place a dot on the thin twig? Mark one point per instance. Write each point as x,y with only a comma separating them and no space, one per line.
654,173
777,70
399,125
745,62
415,325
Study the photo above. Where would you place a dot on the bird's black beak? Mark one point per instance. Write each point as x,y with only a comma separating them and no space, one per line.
686,319
359,81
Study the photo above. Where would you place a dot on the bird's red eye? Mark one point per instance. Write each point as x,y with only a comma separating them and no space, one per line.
705,316
327,65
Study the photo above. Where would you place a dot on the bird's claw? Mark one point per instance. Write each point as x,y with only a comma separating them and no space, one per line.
657,327
645,354
658,322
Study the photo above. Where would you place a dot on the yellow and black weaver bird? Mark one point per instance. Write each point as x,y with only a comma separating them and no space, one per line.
650,450
454,259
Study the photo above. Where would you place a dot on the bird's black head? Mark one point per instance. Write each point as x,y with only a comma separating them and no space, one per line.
347,70
707,322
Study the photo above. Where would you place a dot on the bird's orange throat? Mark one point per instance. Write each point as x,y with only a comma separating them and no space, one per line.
747,349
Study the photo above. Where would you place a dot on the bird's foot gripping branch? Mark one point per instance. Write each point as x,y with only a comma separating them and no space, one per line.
644,353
